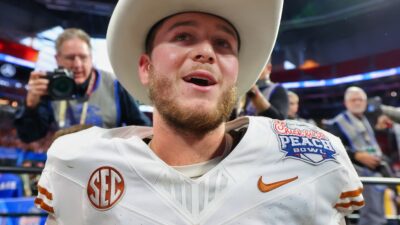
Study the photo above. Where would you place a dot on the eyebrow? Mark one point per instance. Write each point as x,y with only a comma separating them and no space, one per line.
221,27
182,24
228,30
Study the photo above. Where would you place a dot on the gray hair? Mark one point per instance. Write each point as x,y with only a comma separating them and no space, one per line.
353,89
72,33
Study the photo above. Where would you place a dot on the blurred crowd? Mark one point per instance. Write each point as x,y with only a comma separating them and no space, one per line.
9,139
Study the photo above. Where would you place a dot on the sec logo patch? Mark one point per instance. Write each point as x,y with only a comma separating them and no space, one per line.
105,187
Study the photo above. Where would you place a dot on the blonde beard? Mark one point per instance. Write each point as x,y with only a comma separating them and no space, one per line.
191,121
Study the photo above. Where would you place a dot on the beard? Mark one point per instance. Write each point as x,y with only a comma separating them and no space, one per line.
184,119
359,110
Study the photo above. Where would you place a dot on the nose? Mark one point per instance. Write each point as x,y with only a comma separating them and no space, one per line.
204,53
77,61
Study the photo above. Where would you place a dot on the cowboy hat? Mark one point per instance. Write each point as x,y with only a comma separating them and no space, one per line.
257,22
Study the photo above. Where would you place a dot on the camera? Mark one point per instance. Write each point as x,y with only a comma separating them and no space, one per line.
61,84
374,105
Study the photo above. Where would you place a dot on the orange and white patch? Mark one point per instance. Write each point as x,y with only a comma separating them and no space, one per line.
350,200
105,187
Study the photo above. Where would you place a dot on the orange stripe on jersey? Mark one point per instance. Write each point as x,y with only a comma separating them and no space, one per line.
349,204
45,192
351,194
43,205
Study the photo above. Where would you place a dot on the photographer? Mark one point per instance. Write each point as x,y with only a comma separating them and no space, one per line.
376,107
96,97
266,98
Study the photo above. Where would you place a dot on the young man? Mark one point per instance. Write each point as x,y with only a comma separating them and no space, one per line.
192,167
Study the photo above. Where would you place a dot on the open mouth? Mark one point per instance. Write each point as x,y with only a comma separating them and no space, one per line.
200,81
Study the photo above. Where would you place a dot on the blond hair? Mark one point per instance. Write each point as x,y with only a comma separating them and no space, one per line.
72,33
291,93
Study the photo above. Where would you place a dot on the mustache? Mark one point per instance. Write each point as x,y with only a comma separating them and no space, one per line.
205,67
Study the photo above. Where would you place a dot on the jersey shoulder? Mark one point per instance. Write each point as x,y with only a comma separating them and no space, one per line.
92,142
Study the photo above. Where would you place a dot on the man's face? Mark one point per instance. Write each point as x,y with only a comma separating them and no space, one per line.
192,71
293,105
75,55
356,103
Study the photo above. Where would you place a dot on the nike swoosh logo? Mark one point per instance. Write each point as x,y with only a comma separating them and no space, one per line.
272,186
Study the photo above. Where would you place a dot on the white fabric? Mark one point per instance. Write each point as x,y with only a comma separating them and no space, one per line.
199,169
155,193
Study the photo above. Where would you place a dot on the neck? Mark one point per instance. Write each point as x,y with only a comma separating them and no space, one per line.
177,149
82,89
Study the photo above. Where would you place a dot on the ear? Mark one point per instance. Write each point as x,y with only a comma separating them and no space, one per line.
144,69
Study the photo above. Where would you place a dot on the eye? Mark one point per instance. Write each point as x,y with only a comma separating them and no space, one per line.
225,46
84,57
69,57
183,37
223,43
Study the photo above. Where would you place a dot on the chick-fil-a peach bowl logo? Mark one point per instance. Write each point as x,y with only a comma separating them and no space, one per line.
306,143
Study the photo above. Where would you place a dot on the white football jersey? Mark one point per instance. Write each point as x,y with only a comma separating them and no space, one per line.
280,172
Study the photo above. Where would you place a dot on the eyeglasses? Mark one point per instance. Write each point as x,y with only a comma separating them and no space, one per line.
71,58
357,100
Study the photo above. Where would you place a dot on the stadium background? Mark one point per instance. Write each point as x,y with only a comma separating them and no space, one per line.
323,47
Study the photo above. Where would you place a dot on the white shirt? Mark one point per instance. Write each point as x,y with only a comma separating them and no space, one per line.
101,176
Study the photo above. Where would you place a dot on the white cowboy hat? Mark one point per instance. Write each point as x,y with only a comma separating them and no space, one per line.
257,22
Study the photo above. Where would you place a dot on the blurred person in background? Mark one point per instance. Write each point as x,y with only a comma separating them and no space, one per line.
265,98
376,106
386,132
35,160
99,99
387,135
294,108
387,120
357,134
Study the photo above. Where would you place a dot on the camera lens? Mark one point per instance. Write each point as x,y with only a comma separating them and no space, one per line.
62,87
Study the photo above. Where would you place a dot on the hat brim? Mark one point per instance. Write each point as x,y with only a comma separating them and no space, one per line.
256,21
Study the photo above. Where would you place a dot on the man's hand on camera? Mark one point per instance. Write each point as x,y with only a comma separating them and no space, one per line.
37,87
258,99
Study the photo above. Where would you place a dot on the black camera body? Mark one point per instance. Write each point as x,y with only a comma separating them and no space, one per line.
374,105
61,84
